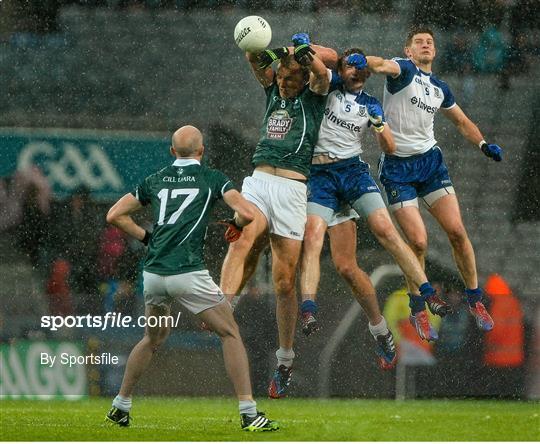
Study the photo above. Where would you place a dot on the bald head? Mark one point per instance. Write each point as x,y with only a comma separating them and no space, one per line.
187,141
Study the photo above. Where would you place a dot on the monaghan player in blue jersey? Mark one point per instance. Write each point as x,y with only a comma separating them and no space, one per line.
412,97
339,177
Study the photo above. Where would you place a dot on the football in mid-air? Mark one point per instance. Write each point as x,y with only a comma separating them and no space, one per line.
252,34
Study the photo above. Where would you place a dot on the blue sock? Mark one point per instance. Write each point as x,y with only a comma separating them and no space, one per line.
474,295
426,290
309,306
416,303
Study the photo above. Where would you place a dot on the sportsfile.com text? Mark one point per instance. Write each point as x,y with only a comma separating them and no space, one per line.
108,320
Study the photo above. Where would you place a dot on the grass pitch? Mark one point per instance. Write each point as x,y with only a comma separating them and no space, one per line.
216,419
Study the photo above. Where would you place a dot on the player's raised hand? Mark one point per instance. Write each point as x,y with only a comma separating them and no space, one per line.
233,231
359,61
375,115
300,38
492,150
302,51
268,56
303,54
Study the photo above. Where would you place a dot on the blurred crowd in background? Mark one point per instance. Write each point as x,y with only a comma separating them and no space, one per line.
86,266
488,37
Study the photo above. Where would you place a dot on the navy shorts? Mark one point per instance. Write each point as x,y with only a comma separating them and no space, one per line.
344,182
407,178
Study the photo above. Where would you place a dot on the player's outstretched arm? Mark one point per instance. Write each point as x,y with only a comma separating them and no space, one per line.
261,64
327,55
119,216
244,210
319,79
378,65
471,132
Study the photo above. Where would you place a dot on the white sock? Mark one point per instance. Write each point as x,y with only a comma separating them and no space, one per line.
247,408
285,356
380,329
123,404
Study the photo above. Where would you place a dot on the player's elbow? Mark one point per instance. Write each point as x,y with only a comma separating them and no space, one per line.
246,213
111,217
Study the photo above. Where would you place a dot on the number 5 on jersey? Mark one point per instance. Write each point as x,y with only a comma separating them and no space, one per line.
163,195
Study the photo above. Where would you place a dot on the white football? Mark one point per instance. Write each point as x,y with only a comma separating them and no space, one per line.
252,34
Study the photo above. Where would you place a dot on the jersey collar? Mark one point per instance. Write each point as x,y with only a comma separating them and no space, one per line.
421,70
185,162
358,94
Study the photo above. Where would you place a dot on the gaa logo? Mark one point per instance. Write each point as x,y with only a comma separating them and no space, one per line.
69,165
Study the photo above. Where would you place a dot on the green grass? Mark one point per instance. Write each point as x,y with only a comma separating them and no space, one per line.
215,419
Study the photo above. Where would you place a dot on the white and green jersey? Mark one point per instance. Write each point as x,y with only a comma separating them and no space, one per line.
182,196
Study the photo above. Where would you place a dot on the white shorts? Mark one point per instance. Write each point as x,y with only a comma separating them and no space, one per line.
195,290
282,201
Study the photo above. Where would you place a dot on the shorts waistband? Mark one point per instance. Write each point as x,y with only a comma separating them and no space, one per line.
339,164
298,183
414,156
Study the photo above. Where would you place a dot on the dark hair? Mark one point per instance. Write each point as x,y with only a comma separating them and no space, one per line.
419,29
346,53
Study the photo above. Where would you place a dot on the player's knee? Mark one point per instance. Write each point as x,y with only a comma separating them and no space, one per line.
229,330
457,235
386,233
312,237
242,246
418,245
157,338
284,286
346,269
313,240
